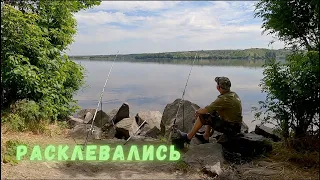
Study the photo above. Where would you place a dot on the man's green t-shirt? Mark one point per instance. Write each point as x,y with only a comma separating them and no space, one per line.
228,106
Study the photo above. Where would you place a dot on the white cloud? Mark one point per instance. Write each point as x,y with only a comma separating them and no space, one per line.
102,17
126,6
219,25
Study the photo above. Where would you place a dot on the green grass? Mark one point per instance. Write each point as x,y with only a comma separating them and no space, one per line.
9,153
285,154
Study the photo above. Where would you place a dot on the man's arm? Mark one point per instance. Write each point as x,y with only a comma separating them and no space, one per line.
202,111
217,105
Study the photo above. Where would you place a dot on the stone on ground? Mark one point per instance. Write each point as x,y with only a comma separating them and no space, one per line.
80,132
260,171
267,132
88,117
247,145
82,113
154,133
112,113
119,114
151,128
195,141
213,171
72,121
108,131
170,112
244,128
101,119
134,128
124,128
203,155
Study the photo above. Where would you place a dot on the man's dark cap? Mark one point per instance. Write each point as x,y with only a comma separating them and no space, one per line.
223,82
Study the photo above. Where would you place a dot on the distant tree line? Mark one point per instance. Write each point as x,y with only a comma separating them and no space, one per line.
246,54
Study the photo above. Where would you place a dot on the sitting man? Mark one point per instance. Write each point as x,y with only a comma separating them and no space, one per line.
223,115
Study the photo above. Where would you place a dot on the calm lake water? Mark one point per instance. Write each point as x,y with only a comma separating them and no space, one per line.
151,86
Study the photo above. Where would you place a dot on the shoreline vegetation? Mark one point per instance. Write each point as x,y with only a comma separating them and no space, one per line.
245,54
254,57
201,62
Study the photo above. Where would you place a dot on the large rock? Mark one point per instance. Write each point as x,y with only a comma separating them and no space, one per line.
87,116
154,132
203,155
212,171
247,145
80,132
267,132
72,121
134,128
170,112
108,131
124,128
112,113
151,128
244,128
118,114
262,171
101,119
195,141
82,113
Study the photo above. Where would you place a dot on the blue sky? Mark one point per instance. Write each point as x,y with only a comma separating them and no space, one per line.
162,26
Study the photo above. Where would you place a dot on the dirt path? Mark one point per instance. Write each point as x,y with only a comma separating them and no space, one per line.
54,170
264,168
87,170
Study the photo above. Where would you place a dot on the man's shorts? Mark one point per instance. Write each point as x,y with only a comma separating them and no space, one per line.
219,124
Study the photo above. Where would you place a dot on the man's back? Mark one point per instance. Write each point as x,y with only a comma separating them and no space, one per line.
228,106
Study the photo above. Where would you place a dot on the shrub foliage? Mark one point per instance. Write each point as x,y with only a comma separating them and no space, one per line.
34,36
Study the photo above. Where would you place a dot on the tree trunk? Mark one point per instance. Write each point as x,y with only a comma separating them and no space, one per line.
300,131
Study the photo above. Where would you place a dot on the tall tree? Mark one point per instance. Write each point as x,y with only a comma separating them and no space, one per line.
294,22
34,36
292,88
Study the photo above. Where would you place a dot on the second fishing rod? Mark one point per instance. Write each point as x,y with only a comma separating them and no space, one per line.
182,99
174,126
91,129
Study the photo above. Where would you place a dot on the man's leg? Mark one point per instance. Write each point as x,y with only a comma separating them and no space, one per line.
207,133
202,119
197,125
204,138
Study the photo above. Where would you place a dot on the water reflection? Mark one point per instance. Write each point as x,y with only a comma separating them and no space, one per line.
150,86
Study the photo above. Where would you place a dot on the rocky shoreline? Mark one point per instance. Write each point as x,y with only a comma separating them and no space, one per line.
208,158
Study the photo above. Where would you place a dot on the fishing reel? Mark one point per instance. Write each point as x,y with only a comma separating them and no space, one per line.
175,138
91,130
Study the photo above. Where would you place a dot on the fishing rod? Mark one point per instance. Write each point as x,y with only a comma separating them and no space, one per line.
135,132
91,130
182,99
178,107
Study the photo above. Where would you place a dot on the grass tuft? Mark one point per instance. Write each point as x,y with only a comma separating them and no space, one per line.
284,154
9,151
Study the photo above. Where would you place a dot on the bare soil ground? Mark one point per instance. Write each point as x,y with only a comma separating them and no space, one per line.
263,168
86,170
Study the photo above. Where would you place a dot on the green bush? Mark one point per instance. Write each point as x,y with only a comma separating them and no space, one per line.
9,155
25,115
34,37
14,122
293,94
